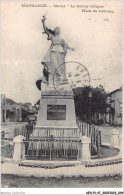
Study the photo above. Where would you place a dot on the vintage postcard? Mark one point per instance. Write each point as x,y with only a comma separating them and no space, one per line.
61,97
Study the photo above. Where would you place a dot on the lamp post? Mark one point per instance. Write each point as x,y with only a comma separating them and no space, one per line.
90,97
108,109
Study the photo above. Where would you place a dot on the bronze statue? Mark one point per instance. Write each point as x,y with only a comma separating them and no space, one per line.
54,57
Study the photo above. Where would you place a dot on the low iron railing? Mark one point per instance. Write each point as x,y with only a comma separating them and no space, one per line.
58,144
94,134
53,149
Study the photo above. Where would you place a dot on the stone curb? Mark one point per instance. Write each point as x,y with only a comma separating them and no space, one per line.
77,171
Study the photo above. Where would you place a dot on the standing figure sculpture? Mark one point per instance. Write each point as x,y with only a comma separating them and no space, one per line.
55,55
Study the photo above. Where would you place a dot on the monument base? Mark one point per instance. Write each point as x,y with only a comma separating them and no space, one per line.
56,135
56,111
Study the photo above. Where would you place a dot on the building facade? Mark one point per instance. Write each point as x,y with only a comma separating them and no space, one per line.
114,112
15,112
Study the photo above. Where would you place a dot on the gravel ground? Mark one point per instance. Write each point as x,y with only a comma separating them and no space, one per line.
13,181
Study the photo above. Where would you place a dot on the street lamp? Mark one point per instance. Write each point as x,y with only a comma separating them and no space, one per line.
108,109
90,97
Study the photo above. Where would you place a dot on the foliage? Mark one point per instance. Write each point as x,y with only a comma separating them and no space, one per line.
83,103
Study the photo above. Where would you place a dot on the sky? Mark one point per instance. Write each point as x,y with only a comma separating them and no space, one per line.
96,37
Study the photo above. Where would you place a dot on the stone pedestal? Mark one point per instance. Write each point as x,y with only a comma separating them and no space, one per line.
115,138
85,148
19,148
56,110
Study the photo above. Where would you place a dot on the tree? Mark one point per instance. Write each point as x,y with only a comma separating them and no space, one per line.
82,102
